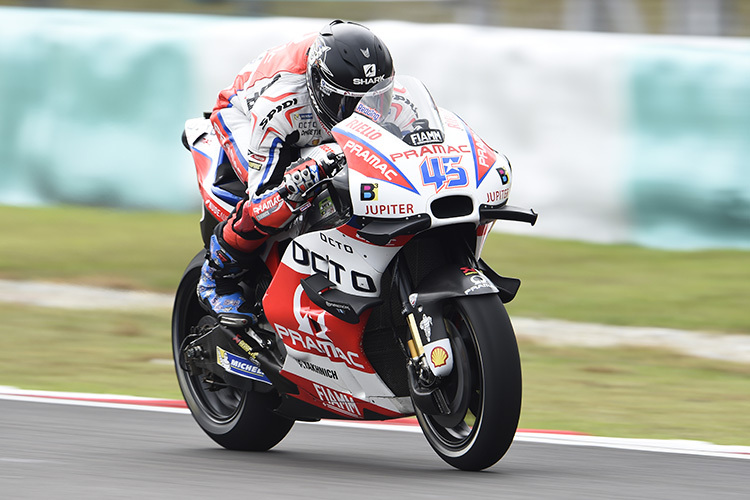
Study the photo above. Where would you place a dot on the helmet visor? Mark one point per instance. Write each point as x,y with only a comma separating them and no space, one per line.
377,101
339,103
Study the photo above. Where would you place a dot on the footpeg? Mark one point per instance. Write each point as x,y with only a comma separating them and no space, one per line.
236,321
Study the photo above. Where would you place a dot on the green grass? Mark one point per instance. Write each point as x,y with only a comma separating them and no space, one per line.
620,285
87,351
613,392
616,392
637,393
626,285
97,246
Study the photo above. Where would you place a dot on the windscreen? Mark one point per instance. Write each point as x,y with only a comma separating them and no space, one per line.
404,108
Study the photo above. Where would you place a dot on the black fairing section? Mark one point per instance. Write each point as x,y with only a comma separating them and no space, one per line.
442,266
323,293
508,287
453,281
507,212
380,232
445,283
208,224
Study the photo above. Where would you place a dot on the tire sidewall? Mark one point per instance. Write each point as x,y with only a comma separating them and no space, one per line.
500,368
253,426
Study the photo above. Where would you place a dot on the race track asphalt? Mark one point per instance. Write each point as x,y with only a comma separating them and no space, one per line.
78,452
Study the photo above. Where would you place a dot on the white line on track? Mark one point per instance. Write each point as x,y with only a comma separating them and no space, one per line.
684,447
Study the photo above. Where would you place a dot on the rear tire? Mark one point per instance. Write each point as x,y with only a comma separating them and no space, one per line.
235,419
484,388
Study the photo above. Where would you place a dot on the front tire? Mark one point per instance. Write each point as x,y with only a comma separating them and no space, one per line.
484,388
233,418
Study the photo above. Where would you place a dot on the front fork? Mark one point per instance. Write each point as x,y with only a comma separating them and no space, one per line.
429,347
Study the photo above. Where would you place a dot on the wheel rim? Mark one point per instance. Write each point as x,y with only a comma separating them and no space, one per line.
463,390
220,405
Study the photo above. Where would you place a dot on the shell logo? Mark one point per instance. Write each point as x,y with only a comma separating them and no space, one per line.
439,356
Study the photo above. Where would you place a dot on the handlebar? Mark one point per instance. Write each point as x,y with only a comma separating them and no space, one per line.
334,165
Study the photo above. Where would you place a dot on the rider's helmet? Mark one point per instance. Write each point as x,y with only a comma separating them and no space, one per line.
343,63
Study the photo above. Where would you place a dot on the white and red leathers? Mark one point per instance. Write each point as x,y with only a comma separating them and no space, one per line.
262,120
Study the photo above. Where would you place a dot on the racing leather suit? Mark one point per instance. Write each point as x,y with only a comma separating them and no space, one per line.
262,120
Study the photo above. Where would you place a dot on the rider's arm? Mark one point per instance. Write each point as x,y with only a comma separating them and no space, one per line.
259,216
269,151
234,129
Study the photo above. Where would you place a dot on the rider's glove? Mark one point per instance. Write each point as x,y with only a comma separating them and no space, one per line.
299,177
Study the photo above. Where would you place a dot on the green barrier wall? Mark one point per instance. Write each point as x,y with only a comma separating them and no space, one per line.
92,109
690,164
613,138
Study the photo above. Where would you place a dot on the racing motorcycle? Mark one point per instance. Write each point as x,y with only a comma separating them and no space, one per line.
375,304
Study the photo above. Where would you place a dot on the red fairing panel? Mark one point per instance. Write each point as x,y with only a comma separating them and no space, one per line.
484,156
363,158
307,328
203,165
335,401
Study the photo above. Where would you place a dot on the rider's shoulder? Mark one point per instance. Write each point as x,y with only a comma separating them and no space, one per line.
289,91
279,113
281,61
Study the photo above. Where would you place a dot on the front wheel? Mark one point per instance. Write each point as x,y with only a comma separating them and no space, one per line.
484,388
233,418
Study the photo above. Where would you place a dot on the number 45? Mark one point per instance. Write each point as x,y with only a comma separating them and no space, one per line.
443,171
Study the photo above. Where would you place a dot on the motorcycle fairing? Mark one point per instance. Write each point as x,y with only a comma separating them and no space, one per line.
355,225
460,170
363,157
484,156
324,350
343,403
208,155
344,306
329,367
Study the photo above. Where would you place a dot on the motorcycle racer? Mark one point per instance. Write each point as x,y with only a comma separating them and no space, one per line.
289,97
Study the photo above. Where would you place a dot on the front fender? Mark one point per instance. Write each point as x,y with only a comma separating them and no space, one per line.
427,300
447,283
453,281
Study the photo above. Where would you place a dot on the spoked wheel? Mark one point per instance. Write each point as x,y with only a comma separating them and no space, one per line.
484,388
235,419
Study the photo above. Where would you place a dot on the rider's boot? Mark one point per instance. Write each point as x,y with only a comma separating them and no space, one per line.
219,284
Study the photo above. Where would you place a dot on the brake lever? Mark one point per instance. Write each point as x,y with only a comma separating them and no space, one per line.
337,160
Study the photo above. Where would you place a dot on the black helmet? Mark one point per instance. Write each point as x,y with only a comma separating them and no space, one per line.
344,61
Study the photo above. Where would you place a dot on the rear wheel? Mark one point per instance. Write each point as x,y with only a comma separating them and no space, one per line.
484,388
233,418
